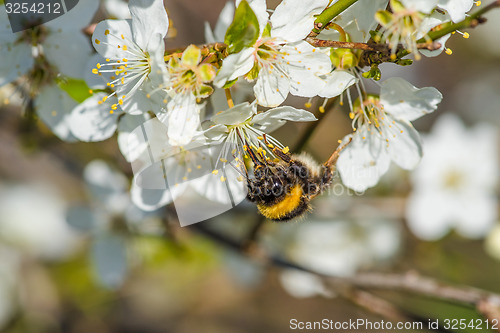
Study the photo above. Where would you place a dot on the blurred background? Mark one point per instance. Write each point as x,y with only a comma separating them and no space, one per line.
77,256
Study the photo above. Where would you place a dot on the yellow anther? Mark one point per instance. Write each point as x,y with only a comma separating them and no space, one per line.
364,138
114,107
104,98
120,101
184,178
108,60
223,160
351,115
322,109
393,56
339,141
123,37
98,65
215,172
198,167
112,85
448,52
95,71
99,102
125,47
222,178
106,32
308,104
240,178
260,137
91,91
124,59
190,170
260,150
466,35
286,150
97,41
111,111
478,3
108,84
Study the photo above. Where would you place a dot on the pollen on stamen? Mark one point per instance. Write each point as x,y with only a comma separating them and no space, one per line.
223,160
106,32
215,172
478,3
95,71
339,141
286,150
125,47
260,137
222,178
123,37
448,52
97,41
198,167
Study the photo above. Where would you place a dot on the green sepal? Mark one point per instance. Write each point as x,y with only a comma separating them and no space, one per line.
383,17
397,6
244,30
229,84
267,31
343,58
205,91
207,72
404,62
191,56
75,88
254,72
374,73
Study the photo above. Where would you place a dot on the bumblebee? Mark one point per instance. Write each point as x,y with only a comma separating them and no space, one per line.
282,189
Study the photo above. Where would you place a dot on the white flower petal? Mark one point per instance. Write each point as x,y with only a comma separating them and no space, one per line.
235,115
235,65
272,87
183,119
68,51
404,146
456,8
151,199
428,214
424,6
336,83
54,107
149,18
293,20
224,21
130,143
118,9
16,61
273,119
476,214
359,168
404,101
107,44
91,121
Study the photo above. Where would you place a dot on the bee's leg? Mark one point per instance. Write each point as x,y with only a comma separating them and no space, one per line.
333,159
327,176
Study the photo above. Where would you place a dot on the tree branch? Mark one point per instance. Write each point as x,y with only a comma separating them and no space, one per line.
485,303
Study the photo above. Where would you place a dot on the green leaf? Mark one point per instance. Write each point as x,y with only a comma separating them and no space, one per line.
75,88
244,30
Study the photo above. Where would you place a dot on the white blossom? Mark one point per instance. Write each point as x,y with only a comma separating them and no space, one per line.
284,62
383,132
454,186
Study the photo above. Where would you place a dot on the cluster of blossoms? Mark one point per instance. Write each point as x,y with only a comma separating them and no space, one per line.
157,100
